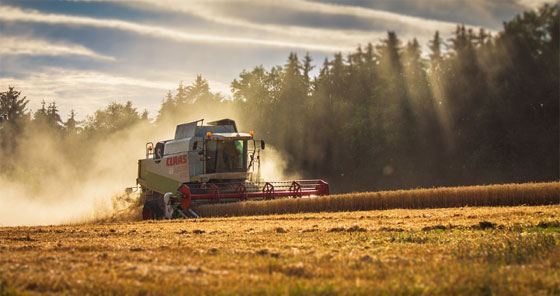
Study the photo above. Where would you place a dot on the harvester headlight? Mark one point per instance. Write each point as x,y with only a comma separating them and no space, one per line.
251,133
208,134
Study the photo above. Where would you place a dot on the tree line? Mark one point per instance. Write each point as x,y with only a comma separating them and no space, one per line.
474,109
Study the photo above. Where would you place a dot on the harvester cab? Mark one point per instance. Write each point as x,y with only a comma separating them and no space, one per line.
209,164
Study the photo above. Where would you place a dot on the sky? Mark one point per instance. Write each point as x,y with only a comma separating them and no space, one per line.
86,54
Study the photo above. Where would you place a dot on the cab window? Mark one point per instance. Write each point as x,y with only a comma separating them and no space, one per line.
226,156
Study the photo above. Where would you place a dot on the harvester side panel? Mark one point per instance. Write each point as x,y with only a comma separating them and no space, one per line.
165,174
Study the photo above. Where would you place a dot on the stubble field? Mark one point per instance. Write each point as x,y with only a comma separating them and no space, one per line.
468,251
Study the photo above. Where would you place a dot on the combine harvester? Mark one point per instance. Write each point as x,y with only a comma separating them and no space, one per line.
205,164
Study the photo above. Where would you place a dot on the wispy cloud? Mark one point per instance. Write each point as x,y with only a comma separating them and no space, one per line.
249,22
534,4
389,17
87,91
13,14
331,39
216,11
39,47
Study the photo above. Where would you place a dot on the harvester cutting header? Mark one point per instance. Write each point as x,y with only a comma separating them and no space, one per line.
211,163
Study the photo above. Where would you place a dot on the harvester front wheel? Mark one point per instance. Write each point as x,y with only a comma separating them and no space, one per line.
152,210
146,213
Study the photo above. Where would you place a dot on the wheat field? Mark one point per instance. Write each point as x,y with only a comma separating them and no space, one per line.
444,197
352,244
454,251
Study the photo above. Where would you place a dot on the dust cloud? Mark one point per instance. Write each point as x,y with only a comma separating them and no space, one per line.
274,165
60,182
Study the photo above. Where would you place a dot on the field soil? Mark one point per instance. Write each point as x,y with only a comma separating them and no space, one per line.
464,251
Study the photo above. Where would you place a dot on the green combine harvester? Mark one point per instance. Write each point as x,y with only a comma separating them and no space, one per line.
213,163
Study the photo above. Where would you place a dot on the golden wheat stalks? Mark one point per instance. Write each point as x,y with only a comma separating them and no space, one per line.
444,197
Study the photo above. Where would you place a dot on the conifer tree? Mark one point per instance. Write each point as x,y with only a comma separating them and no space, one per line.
71,124
13,117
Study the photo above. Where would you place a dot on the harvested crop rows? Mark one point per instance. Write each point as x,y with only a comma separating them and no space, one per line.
468,250
490,195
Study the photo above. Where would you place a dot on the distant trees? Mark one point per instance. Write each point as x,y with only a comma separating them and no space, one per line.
255,94
477,109
71,125
115,117
13,117
189,101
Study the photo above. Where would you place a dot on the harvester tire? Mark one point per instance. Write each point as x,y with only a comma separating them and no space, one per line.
146,213
152,210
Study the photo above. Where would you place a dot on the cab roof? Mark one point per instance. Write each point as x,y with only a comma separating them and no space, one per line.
193,129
